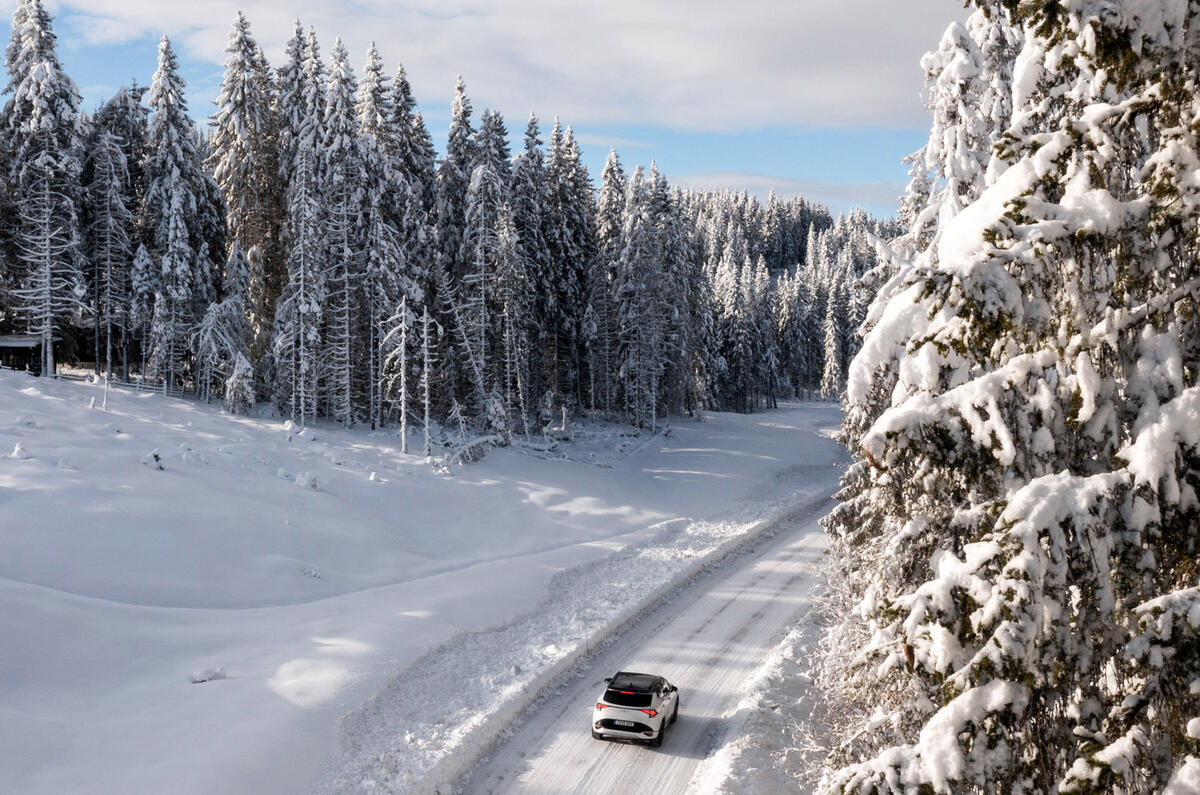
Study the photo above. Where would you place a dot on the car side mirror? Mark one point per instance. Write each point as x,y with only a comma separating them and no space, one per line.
608,679
674,689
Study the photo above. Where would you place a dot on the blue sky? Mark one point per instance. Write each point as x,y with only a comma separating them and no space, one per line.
803,96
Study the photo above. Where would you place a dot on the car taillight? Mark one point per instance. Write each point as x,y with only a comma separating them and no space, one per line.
651,712
600,705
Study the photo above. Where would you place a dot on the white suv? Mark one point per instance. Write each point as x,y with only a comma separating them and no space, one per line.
635,707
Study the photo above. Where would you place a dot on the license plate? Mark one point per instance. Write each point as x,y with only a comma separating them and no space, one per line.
622,722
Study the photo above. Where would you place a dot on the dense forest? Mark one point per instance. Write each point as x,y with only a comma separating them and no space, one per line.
1013,569
308,247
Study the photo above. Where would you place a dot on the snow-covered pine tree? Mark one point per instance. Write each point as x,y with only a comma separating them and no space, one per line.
698,318
1024,503
581,223
244,159
414,166
298,317
219,342
831,376
109,220
417,161
610,221
512,297
450,211
403,178
374,106
300,360
384,284
43,126
428,365
290,106
570,241
143,285
173,303
453,181
343,190
557,342
477,314
395,346
182,218
390,228
528,206
672,295
123,117
641,323
239,387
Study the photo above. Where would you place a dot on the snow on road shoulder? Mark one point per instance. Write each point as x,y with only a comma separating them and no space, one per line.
764,751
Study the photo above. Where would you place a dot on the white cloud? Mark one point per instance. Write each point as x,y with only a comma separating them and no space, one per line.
686,64
878,197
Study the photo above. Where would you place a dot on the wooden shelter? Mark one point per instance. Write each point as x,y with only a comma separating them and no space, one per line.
22,352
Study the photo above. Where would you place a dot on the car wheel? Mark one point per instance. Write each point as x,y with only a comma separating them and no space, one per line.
597,735
675,714
657,741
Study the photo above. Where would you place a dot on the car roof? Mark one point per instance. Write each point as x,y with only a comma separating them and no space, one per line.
639,683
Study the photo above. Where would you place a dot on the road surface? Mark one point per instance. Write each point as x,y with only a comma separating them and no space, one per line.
709,639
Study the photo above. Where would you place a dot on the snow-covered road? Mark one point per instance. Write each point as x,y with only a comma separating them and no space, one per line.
710,639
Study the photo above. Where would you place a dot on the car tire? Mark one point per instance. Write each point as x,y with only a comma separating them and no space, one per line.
657,741
675,714
597,735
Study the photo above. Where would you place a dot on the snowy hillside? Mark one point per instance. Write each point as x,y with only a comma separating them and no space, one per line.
302,574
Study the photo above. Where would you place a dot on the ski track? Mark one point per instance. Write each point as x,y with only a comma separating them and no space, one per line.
710,640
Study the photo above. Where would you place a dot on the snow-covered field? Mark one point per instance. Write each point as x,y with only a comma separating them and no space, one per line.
359,618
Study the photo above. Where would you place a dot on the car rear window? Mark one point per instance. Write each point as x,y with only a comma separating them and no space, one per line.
626,698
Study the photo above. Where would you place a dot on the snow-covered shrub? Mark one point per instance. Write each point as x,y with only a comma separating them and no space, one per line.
239,387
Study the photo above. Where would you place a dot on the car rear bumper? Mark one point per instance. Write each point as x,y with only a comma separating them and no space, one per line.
638,731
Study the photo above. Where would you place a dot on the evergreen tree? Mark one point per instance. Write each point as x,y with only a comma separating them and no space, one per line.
44,131
451,263
610,221
300,360
343,192
124,117
641,324
182,217
299,313
528,206
245,163
174,302
415,181
143,286
512,305
108,240
570,241
1018,532
291,108
831,377
219,341
428,363
487,200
